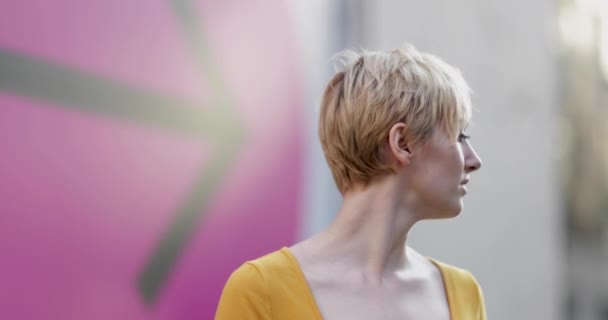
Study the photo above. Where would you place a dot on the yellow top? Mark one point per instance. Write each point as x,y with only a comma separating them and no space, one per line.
274,287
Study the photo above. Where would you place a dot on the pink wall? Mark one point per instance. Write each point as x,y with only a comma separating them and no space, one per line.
121,119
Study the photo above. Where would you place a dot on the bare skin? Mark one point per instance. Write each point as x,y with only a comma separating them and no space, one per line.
360,267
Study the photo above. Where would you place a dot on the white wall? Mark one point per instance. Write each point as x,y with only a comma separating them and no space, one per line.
317,32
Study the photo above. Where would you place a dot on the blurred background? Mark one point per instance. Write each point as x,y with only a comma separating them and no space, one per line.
151,147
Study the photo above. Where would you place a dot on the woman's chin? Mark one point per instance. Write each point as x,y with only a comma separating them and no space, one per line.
454,210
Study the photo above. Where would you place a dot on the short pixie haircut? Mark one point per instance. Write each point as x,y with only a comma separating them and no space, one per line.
371,92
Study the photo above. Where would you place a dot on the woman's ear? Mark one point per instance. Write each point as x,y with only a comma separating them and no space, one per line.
398,144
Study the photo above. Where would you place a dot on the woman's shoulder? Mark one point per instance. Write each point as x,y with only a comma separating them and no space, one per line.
463,288
452,270
263,268
456,275
245,295
261,288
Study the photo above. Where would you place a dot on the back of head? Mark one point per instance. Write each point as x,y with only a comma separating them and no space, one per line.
374,90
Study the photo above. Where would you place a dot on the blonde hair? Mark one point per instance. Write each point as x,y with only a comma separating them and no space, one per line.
375,90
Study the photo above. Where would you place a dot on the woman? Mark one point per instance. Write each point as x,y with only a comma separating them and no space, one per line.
392,129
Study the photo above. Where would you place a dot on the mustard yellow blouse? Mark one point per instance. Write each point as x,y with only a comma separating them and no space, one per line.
274,287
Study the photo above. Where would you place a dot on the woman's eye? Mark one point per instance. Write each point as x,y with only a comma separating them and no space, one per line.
462,137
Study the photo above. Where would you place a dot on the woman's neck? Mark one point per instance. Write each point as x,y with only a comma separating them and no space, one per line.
368,236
